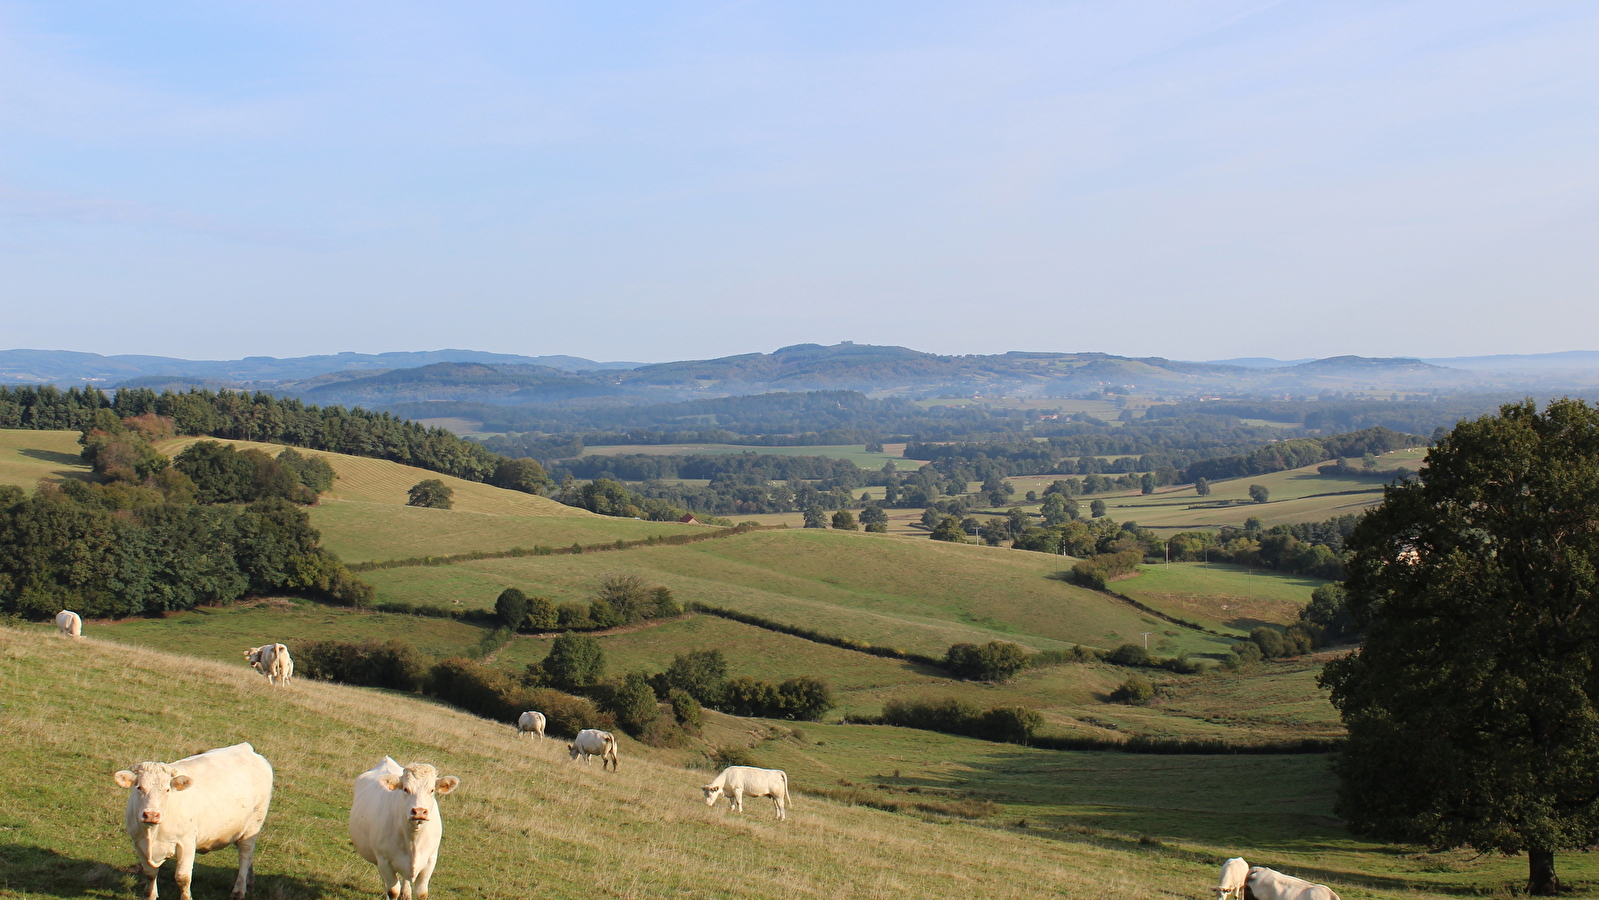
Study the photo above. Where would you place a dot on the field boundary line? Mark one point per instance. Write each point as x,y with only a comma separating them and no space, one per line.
575,548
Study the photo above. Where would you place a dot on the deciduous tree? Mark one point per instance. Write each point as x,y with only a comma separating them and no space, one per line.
1473,706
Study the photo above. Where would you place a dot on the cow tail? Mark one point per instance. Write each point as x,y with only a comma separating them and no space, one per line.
788,795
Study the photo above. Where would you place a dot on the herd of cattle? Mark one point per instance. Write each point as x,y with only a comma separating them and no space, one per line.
219,799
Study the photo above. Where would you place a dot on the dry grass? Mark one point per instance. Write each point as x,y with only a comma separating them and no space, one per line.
525,821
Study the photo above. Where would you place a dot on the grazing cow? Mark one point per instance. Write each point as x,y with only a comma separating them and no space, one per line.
69,623
395,824
273,661
737,781
195,805
1234,872
593,742
530,722
1270,884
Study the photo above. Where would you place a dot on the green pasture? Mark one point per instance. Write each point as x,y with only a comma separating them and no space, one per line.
1220,596
28,457
359,531
223,633
1106,825
915,594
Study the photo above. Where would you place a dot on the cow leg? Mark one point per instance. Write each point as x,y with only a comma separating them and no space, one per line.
150,872
390,879
738,798
782,814
246,847
183,868
419,885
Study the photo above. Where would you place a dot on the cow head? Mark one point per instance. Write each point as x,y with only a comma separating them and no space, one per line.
572,750
712,792
420,782
254,656
152,784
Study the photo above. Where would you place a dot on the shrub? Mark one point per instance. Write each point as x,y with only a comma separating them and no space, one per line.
573,616
1012,724
685,709
804,697
665,605
699,673
745,696
542,615
511,606
1270,641
1129,655
395,664
633,704
1135,691
993,661
627,597
575,661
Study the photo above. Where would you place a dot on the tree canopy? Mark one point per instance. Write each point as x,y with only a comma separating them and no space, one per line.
1471,707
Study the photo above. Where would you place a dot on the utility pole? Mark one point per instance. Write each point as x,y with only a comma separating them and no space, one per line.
1146,635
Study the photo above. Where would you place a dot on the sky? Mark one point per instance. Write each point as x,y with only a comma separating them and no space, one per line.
678,180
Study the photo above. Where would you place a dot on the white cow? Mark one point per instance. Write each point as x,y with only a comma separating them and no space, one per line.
530,722
69,623
395,824
1270,884
737,781
1234,872
195,805
593,742
273,661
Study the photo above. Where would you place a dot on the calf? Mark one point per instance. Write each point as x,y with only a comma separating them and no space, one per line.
273,661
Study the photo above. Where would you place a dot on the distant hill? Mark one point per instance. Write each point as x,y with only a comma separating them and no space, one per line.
67,367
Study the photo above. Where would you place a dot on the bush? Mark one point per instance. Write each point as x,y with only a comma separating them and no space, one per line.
1011,724
633,704
511,606
1099,570
665,605
1129,655
745,696
573,616
1270,641
995,661
699,673
1135,691
542,615
685,709
493,693
804,698
575,661
395,664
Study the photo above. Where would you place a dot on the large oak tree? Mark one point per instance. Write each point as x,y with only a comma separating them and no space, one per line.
1471,706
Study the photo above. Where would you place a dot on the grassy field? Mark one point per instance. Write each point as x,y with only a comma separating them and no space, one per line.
1277,701
1099,825
28,457
915,594
1220,596
364,516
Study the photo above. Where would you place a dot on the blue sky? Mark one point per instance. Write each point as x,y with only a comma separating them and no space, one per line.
655,181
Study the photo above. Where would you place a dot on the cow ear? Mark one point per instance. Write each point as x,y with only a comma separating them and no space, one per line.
447,783
181,782
125,779
389,782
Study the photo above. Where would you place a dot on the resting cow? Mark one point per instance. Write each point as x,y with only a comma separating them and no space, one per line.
195,805
530,722
395,824
69,623
1270,884
1234,872
593,742
737,781
273,661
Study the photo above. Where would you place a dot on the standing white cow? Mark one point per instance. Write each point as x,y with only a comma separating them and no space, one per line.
1270,884
737,781
593,742
273,661
1234,873
531,721
69,623
395,824
195,805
